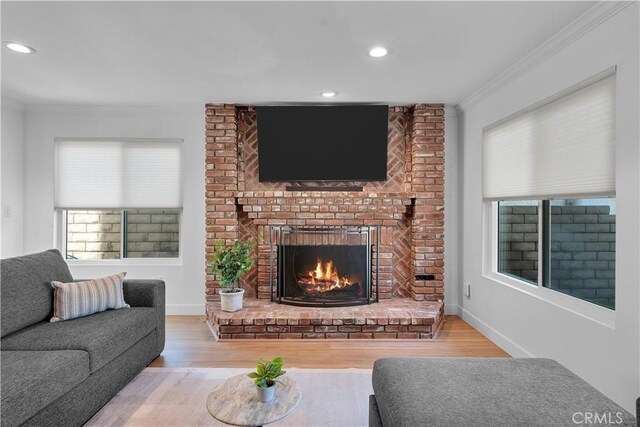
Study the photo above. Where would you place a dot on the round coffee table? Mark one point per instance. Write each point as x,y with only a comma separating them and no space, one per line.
236,402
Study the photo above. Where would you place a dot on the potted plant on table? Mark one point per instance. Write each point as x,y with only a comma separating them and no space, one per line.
265,378
229,262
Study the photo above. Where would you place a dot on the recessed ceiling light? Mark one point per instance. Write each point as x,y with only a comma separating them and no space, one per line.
378,52
328,93
19,47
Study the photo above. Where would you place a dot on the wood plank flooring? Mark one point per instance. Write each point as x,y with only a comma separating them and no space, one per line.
190,344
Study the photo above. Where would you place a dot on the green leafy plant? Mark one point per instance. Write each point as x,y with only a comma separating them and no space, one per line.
266,373
229,262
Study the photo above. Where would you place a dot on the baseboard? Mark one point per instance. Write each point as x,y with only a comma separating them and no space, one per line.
185,309
452,309
500,340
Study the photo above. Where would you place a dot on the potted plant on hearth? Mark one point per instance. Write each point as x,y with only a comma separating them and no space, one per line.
265,378
229,262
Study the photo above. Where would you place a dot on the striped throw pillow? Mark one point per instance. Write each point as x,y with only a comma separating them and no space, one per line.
78,299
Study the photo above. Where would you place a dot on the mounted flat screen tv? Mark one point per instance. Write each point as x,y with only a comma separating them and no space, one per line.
322,143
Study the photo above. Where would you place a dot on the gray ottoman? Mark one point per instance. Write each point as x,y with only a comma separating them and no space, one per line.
485,392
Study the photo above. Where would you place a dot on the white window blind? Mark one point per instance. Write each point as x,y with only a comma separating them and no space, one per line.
563,148
118,174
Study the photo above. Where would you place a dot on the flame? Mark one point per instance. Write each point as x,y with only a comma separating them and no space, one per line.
324,278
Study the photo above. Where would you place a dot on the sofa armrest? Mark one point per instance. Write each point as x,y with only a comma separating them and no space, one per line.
144,293
374,414
148,293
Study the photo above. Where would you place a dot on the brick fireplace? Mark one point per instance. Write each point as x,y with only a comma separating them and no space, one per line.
407,209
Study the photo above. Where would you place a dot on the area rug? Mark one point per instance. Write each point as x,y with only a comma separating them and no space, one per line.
178,396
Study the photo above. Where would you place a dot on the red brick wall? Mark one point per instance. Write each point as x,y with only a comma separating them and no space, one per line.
387,210
409,206
427,181
221,176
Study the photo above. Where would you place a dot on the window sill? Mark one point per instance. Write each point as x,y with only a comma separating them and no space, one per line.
137,262
590,311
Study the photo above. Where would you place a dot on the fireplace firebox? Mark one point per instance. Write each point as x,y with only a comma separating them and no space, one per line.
329,266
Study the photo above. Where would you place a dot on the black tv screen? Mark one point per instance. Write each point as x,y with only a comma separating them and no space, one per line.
322,143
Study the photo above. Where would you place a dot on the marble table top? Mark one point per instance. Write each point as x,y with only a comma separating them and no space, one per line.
236,402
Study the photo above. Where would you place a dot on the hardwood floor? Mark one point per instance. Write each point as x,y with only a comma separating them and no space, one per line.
190,344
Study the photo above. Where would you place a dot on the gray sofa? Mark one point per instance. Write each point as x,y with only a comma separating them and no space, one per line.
411,392
60,374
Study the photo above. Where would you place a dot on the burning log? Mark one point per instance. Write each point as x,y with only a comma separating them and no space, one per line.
325,278
319,288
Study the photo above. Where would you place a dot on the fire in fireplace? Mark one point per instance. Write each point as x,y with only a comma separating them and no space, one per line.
329,273
324,271
325,278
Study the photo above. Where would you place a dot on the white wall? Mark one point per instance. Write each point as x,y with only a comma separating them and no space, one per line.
185,278
606,357
12,178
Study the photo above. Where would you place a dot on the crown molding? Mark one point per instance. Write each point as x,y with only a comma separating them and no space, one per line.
582,25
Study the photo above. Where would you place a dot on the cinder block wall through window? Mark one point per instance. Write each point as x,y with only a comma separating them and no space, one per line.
582,249
95,235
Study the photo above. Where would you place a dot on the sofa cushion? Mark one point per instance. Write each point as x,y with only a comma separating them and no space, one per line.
479,392
31,380
79,299
103,335
27,295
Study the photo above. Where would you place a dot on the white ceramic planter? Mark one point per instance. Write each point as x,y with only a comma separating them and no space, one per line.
231,301
266,395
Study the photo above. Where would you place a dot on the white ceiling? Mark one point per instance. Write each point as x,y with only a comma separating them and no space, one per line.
157,53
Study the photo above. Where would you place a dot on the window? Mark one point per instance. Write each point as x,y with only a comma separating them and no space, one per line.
581,249
518,239
577,241
93,234
119,198
550,172
109,234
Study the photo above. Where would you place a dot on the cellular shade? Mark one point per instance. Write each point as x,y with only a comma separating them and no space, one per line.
562,148
118,174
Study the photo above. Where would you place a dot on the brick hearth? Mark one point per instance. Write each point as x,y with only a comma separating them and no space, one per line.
399,318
